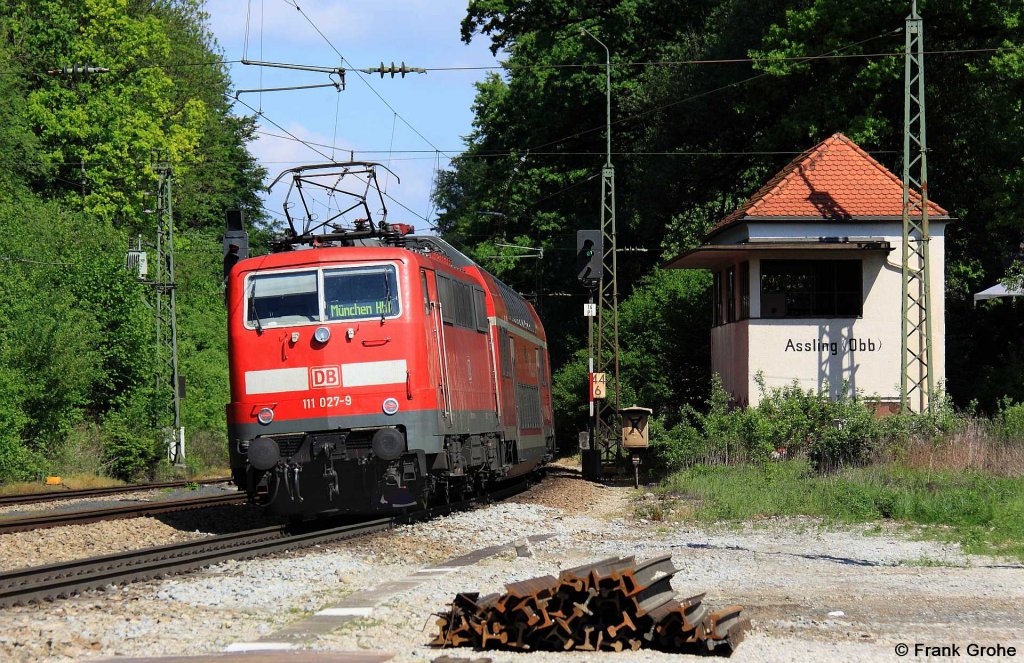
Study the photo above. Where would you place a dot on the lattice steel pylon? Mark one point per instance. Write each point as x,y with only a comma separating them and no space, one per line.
606,429
917,381
165,314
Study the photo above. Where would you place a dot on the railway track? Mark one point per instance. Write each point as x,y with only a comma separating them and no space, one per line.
28,585
59,519
9,500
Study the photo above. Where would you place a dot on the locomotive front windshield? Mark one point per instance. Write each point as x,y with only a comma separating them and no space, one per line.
364,292
322,295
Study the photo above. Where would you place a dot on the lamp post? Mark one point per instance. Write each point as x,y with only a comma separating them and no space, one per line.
608,93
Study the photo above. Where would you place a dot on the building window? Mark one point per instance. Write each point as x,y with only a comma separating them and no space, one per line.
744,290
811,289
730,294
716,293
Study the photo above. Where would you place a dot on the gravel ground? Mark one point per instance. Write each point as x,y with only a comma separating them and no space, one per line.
789,573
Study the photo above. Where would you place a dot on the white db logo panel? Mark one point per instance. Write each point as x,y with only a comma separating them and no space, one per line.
325,376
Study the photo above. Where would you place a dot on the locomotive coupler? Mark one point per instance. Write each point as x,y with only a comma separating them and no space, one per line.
392,477
332,480
291,481
295,477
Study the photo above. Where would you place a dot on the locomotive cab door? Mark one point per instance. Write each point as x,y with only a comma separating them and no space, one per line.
434,333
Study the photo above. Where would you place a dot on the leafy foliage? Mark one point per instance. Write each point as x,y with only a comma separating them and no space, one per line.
77,359
789,421
690,141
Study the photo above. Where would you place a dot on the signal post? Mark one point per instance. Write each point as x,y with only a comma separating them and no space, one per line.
589,269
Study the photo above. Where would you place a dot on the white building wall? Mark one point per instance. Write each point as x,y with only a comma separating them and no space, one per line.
729,358
823,353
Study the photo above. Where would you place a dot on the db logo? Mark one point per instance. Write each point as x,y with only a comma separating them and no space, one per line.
326,376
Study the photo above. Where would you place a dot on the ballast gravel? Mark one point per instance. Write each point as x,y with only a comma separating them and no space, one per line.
789,573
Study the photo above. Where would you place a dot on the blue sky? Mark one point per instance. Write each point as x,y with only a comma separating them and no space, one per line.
422,33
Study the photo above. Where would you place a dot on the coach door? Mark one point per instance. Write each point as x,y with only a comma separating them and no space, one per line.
434,333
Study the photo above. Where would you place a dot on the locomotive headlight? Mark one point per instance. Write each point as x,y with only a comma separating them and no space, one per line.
322,334
265,415
390,406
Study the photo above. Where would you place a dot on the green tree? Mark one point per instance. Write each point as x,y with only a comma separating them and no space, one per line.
76,336
692,140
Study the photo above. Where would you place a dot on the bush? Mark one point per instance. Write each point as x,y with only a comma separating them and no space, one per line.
206,450
674,448
130,446
81,453
1010,420
17,463
791,421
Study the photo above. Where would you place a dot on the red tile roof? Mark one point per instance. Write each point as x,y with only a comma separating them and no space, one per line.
834,181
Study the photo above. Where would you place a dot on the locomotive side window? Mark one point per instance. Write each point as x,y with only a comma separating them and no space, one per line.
444,297
456,302
480,304
283,299
426,293
361,292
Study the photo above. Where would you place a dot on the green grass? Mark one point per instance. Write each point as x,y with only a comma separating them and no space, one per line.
984,513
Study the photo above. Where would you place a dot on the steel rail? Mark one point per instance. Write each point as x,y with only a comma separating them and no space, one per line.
31,584
7,500
64,579
61,518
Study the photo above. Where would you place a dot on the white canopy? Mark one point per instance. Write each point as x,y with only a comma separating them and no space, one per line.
998,290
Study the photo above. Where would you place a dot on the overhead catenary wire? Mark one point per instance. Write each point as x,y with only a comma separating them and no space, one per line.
737,60
398,115
362,77
29,261
461,152
586,65
312,147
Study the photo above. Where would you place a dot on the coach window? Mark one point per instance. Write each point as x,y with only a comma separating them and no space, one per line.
275,300
811,289
357,293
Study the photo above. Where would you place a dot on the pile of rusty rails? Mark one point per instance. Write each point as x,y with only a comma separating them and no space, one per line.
612,605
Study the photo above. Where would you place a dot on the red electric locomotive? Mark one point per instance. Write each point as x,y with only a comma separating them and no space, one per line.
372,369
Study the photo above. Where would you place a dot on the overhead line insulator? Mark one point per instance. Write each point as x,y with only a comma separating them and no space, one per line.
392,70
76,70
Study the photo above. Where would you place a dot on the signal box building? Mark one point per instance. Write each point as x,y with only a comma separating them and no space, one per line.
808,279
